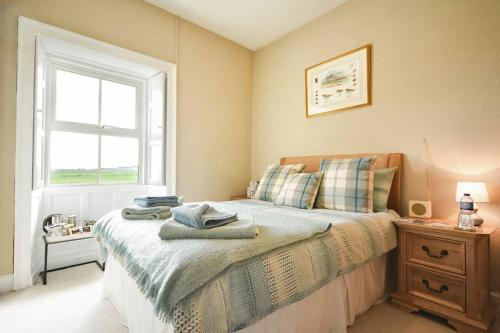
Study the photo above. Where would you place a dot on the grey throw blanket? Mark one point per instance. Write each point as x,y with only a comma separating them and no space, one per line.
242,228
139,213
168,271
168,200
202,216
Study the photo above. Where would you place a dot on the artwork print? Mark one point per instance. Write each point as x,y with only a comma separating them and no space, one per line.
339,83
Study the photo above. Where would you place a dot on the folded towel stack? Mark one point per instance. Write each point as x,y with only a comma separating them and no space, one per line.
201,221
169,200
152,213
240,229
202,216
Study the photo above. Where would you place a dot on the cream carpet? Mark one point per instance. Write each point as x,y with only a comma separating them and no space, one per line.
71,302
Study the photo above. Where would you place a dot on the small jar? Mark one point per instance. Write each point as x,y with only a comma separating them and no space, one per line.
72,219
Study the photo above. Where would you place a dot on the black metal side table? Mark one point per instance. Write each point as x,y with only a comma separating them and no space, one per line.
63,239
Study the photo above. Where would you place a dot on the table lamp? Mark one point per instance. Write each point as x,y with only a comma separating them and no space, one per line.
477,191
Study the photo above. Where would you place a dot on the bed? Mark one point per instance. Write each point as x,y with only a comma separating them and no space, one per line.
318,283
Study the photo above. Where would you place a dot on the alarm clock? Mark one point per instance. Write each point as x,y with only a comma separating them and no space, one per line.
422,209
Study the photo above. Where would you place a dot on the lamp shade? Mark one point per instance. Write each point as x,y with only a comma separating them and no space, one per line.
477,191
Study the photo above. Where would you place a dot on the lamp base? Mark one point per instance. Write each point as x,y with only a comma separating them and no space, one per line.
478,220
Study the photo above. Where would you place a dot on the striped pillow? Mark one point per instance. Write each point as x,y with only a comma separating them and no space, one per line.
300,190
272,180
347,185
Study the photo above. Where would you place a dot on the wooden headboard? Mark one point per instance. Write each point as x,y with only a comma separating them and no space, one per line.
384,160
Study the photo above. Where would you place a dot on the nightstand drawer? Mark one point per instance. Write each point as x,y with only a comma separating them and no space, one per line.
437,288
436,252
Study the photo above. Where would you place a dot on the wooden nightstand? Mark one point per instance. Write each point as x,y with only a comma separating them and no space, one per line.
444,271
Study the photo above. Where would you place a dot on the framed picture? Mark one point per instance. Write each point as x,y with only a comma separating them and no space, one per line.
340,83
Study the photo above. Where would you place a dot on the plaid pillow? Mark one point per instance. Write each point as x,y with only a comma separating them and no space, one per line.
300,190
347,185
272,180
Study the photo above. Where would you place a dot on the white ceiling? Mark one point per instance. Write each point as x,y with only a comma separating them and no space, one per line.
251,23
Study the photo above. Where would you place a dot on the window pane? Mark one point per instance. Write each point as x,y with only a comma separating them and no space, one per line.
119,160
155,164
77,98
118,104
73,158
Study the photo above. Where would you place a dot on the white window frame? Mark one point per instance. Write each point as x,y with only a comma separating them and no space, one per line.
149,143
140,132
25,213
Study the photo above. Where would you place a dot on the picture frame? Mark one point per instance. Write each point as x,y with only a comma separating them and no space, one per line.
340,83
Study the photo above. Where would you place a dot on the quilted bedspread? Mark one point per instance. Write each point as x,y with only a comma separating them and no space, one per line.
250,287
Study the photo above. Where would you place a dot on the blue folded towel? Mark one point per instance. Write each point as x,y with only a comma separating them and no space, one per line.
169,200
202,216
240,229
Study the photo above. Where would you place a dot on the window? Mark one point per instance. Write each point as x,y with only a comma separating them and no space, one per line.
104,127
77,98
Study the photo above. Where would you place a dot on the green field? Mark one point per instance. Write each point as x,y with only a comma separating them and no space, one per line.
85,176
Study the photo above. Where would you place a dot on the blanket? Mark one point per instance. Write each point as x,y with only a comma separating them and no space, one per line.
255,280
168,271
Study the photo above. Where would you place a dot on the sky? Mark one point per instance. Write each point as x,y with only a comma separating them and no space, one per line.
76,150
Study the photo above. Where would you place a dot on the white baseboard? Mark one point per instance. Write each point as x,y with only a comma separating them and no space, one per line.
6,283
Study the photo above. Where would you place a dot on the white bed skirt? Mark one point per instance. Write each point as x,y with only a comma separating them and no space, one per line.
330,309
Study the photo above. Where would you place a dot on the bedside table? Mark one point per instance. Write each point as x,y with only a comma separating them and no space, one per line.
64,239
444,271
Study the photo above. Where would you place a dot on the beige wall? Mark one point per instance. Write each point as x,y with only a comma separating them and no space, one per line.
214,87
214,84
436,75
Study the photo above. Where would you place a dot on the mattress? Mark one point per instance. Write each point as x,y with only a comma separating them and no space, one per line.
331,308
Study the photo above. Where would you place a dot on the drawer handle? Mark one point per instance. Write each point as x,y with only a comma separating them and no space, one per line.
441,289
441,255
